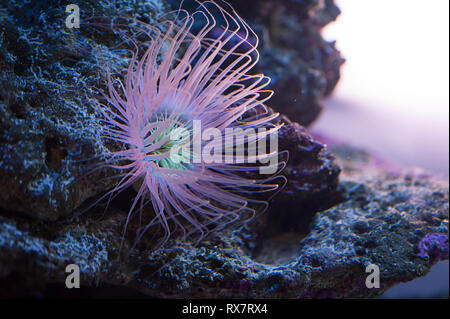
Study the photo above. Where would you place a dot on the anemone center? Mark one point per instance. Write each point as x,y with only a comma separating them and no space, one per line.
168,148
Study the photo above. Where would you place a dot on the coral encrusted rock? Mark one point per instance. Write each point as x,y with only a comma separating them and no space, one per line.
396,220
317,238
50,76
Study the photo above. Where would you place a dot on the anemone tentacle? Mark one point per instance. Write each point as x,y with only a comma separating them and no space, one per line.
188,75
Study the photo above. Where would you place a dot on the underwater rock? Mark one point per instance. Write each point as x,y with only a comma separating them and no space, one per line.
50,77
312,179
382,218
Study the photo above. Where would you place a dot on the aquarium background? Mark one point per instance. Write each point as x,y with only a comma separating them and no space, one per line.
393,96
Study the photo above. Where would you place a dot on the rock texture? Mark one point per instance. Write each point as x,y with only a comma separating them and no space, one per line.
382,217
50,76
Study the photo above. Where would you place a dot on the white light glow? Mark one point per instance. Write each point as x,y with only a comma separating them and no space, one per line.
393,96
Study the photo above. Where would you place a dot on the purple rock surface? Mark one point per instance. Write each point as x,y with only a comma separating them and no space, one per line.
434,246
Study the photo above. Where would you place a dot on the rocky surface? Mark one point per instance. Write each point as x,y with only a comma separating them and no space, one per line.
394,219
50,76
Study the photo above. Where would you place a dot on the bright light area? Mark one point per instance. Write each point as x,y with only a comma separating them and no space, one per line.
393,97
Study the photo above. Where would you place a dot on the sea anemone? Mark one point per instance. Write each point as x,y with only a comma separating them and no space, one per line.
173,115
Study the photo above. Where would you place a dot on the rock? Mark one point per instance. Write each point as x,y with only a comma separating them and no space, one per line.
312,178
50,77
385,217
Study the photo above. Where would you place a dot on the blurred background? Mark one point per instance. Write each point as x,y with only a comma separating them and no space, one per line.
393,96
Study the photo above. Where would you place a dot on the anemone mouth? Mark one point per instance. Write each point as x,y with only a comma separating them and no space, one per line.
159,143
